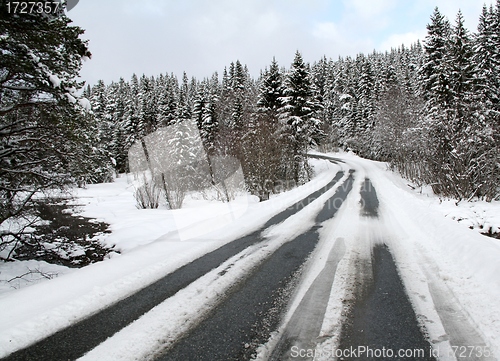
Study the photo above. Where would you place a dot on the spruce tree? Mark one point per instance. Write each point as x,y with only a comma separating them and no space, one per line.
271,89
297,116
487,56
43,141
435,72
183,111
435,79
146,111
463,69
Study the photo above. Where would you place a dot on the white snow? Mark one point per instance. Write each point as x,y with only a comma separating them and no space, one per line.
430,240
85,104
71,98
16,275
54,79
481,216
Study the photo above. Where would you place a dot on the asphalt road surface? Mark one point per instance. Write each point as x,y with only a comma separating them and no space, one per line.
246,318
382,321
79,338
382,324
381,316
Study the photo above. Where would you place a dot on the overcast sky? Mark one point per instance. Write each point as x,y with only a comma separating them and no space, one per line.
202,36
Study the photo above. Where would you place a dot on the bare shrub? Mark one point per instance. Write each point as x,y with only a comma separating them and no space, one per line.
147,195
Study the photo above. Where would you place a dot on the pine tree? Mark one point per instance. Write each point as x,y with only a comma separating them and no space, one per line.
463,70
117,147
435,72
487,56
146,111
271,89
204,114
297,116
131,126
435,79
167,95
239,81
183,111
348,116
43,138
365,104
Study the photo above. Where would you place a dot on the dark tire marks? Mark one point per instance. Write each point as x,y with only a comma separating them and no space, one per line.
383,317
304,326
369,200
253,309
79,338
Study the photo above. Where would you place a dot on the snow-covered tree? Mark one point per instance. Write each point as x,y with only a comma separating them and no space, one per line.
131,124
183,111
166,93
42,129
297,116
117,110
487,56
146,111
463,71
204,114
271,89
435,72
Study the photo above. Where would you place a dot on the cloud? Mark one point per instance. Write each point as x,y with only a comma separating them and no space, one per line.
144,8
370,9
395,40
325,30
470,9
200,37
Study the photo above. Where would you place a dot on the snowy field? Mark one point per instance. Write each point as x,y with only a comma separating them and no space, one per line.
153,243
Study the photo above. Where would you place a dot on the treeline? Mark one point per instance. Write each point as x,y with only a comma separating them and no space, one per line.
431,111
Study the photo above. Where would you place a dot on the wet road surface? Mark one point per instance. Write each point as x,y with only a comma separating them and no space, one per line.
79,338
382,323
383,318
246,318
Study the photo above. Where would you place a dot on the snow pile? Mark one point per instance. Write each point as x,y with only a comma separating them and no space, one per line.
481,216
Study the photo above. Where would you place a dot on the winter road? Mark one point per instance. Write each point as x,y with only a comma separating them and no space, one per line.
254,317
76,340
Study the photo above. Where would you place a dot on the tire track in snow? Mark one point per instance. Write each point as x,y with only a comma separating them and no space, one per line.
381,316
79,338
303,328
251,312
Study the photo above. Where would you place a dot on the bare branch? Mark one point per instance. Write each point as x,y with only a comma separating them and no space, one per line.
37,271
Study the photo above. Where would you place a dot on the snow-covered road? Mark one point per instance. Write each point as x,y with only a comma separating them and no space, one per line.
450,274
